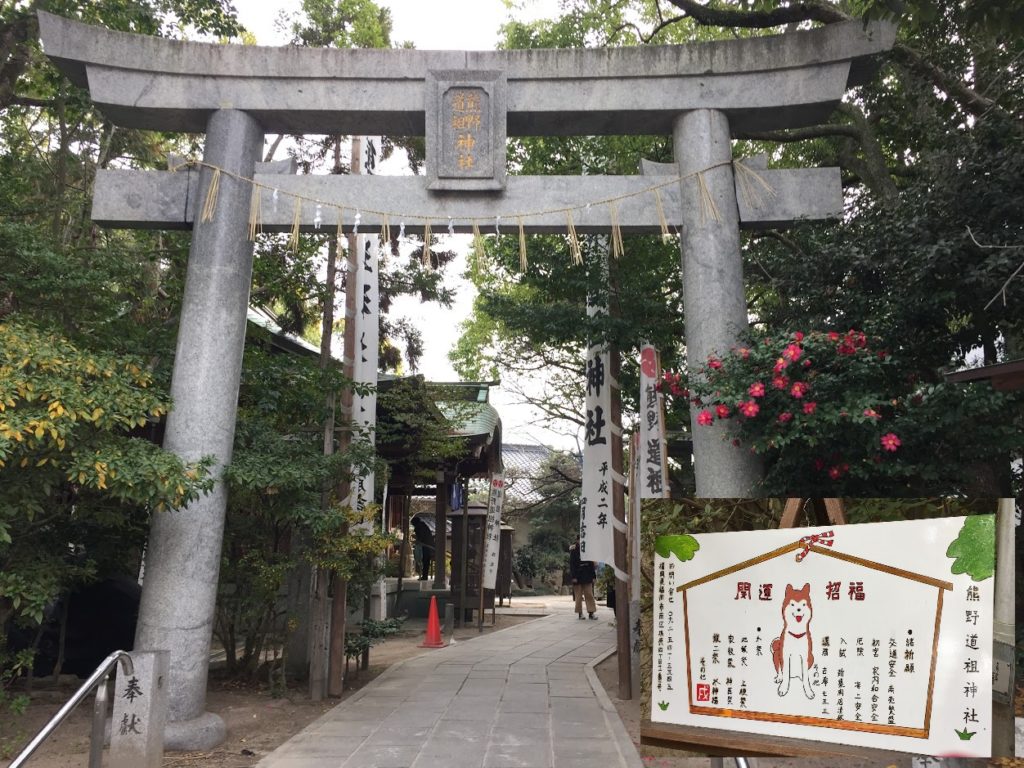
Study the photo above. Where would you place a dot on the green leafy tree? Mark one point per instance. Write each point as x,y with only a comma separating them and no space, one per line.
553,519
87,321
930,152
71,471
831,415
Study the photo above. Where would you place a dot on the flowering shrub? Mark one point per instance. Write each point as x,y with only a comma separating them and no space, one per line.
832,413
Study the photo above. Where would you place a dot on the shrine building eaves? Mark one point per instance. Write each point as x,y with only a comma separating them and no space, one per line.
762,83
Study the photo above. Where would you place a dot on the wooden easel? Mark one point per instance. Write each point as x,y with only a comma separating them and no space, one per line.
826,511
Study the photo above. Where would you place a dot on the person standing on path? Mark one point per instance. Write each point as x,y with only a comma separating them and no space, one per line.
424,546
582,574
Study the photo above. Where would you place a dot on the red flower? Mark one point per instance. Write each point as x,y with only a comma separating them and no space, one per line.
833,336
756,389
780,382
799,389
819,464
799,336
705,419
785,416
780,365
743,352
837,471
890,441
722,411
749,408
714,362
792,352
871,413
809,407
807,363
846,348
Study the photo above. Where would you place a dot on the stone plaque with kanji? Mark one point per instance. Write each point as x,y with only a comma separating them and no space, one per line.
465,130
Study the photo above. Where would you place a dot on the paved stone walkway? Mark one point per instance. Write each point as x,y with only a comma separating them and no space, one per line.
518,698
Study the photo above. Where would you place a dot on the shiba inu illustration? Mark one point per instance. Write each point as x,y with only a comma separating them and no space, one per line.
792,651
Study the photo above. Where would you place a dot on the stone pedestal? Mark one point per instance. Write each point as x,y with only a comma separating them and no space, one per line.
140,712
713,292
184,550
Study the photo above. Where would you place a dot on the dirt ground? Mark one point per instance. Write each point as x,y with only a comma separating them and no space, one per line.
257,724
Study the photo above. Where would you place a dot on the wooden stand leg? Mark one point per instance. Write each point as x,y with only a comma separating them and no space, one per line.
826,512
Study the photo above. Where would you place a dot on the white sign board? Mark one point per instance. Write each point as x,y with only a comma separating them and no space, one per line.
492,542
653,475
862,634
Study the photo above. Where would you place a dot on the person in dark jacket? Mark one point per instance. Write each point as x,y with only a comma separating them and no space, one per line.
583,575
424,545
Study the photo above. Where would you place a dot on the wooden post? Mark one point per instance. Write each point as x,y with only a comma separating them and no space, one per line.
826,511
463,564
619,513
404,501
1003,633
441,531
633,542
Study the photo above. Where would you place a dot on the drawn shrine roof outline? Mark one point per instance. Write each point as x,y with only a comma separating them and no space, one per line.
892,570
870,727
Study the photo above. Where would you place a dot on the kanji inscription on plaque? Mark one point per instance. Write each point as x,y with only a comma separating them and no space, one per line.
465,127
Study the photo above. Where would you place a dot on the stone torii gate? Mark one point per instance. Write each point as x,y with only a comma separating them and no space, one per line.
702,95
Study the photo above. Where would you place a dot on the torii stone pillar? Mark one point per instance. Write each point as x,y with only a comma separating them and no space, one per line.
713,288
184,551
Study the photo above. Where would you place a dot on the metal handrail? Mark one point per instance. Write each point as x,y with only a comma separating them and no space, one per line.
98,680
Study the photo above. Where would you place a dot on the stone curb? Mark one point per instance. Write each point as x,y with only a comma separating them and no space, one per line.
627,750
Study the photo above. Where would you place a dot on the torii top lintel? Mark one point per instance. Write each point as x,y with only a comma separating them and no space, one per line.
762,83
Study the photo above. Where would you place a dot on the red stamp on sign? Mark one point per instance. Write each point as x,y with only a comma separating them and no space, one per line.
703,692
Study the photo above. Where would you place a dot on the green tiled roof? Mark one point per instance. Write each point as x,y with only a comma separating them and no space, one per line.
470,419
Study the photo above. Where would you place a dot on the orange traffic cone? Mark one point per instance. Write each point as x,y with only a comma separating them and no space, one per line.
433,638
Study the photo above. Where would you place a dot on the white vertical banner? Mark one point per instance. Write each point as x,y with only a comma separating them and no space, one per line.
492,541
652,479
367,333
596,515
